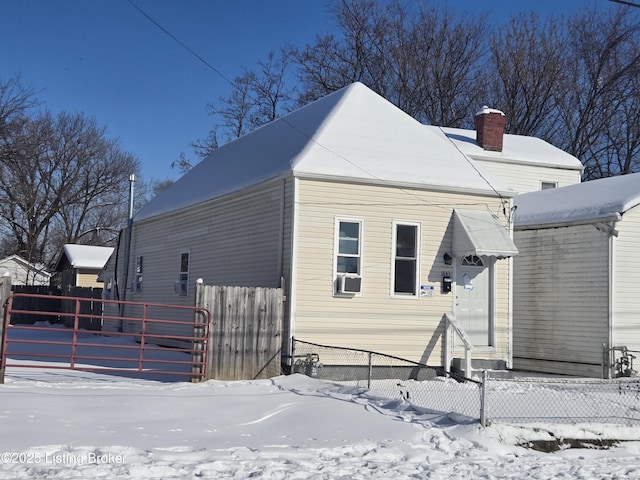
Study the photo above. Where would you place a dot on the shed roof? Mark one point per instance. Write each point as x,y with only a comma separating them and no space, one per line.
85,256
520,149
602,199
479,232
352,134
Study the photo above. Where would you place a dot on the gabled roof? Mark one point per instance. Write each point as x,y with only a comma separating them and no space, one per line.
352,134
595,200
85,256
519,149
31,266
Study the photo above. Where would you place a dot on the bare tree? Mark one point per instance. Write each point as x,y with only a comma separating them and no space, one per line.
256,98
15,101
602,61
527,68
423,58
571,81
61,181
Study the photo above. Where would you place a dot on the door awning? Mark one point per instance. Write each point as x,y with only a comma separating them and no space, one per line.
479,232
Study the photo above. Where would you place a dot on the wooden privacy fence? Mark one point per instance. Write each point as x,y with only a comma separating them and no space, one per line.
48,299
245,334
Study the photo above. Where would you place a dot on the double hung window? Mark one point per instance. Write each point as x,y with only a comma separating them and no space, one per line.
405,258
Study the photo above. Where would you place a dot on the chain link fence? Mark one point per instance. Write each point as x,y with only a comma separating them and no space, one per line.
486,399
424,386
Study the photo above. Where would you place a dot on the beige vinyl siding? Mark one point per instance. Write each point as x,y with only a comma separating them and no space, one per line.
626,310
408,327
560,299
528,178
87,278
237,240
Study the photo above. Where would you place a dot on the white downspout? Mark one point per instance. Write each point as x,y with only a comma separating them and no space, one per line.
611,296
510,307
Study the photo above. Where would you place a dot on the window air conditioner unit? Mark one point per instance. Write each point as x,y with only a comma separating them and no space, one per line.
349,283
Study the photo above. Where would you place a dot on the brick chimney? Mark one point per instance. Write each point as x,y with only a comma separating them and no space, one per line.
490,125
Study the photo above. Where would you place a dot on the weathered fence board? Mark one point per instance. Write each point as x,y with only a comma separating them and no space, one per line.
245,336
52,303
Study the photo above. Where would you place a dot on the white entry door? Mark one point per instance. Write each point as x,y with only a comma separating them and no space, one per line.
473,290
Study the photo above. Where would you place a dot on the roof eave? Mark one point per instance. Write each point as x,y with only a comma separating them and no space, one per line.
610,217
420,186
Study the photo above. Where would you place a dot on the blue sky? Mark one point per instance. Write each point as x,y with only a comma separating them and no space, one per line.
105,59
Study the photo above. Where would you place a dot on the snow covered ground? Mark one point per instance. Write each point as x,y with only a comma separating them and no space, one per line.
69,424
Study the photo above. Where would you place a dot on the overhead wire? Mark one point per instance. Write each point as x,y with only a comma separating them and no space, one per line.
304,134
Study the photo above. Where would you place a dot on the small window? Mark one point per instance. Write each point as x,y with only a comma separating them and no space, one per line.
548,185
348,258
182,286
137,284
405,259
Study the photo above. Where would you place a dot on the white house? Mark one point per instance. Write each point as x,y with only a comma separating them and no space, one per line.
23,272
576,276
376,225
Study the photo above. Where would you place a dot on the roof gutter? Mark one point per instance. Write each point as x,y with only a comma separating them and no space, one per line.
612,217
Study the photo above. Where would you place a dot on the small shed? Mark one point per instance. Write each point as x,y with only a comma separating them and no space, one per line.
576,297
79,266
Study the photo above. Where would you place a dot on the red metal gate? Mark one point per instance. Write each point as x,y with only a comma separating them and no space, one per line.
50,344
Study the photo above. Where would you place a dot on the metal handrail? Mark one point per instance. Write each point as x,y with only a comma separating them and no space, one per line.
453,326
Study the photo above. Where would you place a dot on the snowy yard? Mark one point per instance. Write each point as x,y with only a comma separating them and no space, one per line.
68,424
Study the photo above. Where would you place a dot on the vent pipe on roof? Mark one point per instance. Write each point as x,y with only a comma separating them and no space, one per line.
490,125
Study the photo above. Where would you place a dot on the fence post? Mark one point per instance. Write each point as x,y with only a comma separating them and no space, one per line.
370,371
5,292
198,356
606,372
483,399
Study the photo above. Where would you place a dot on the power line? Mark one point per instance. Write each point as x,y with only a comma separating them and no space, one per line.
625,2
284,120
179,42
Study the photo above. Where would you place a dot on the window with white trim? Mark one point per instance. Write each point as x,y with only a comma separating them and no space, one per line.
348,246
406,238
548,185
137,283
182,288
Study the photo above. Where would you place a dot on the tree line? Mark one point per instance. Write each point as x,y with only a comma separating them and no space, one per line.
62,179
571,80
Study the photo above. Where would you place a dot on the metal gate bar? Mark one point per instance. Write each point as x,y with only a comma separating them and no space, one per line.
195,343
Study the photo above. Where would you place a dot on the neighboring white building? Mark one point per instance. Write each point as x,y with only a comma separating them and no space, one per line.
23,272
576,278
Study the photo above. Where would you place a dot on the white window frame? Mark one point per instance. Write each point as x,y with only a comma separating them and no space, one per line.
418,252
138,274
337,253
549,185
183,276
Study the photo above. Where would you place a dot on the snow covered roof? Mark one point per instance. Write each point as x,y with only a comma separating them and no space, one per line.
606,198
351,134
516,149
40,268
85,256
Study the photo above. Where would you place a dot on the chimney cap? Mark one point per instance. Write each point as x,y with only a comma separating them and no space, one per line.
485,110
